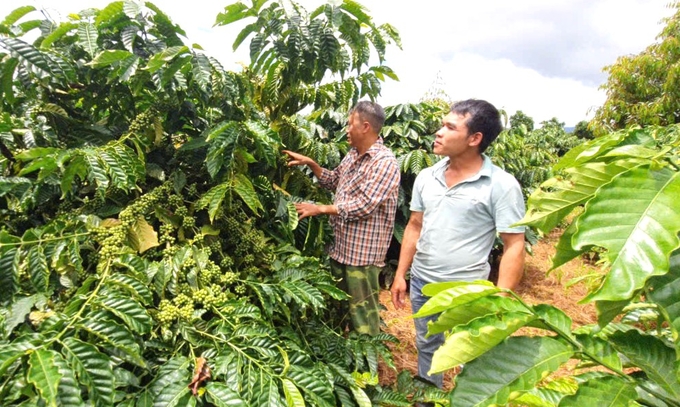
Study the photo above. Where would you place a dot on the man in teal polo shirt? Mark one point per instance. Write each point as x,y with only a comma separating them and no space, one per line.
458,206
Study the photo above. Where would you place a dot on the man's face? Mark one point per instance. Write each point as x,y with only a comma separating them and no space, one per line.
355,129
453,138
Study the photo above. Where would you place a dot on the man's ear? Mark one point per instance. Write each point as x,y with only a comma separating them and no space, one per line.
475,139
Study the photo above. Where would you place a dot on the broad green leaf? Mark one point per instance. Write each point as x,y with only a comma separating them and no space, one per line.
110,332
360,397
267,394
18,311
110,57
128,67
665,291
433,289
40,61
601,350
37,268
202,71
474,309
44,374
144,399
131,286
9,273
314,384
589,150
16,15
37,152
637,219
651,355
608,310
69,388
304,293
509,369
93,369
77,167
97,171
128,310
174,370
87,37
13,351
222,140
57,34
213,199
477,337
556,198
292,215
222,396
7,80
454,296
234,12
157,61
108,13
293,396
556,319
539,397
142,236
387,397
175,394
608,391
119,171
244,188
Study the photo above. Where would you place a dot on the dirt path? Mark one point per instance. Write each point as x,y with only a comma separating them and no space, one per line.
536,287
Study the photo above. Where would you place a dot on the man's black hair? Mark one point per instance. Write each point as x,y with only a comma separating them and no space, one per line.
372,112
483,117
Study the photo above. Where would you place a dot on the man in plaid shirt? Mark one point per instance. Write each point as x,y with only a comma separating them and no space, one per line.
366,185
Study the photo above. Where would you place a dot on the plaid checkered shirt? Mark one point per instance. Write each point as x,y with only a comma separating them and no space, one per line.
366,190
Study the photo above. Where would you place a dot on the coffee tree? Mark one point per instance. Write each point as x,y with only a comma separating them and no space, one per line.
149,252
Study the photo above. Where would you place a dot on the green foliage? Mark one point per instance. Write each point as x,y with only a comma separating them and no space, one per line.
292,51
528,153
148,253
583,131
519,120
642,89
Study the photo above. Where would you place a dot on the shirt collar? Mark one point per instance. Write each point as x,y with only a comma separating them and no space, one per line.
485,171
373,149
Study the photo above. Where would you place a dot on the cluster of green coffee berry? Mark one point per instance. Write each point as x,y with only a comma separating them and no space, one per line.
144,205
166,236
210,296
170,311
143,122
112,240
207,275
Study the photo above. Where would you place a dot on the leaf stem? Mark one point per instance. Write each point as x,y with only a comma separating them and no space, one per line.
27,242
76,318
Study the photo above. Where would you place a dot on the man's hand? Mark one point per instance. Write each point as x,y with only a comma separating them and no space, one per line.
398,291
305,209
297,159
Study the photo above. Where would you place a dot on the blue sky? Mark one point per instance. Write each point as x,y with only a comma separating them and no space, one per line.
542,57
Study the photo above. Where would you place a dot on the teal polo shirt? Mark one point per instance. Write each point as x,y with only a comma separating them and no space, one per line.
460,223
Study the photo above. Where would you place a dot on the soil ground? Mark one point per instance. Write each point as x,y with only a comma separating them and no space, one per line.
537,286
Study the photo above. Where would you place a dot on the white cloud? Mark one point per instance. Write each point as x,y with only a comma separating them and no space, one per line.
544,58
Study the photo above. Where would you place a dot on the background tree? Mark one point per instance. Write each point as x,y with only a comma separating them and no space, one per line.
644,89
518,119
583,131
